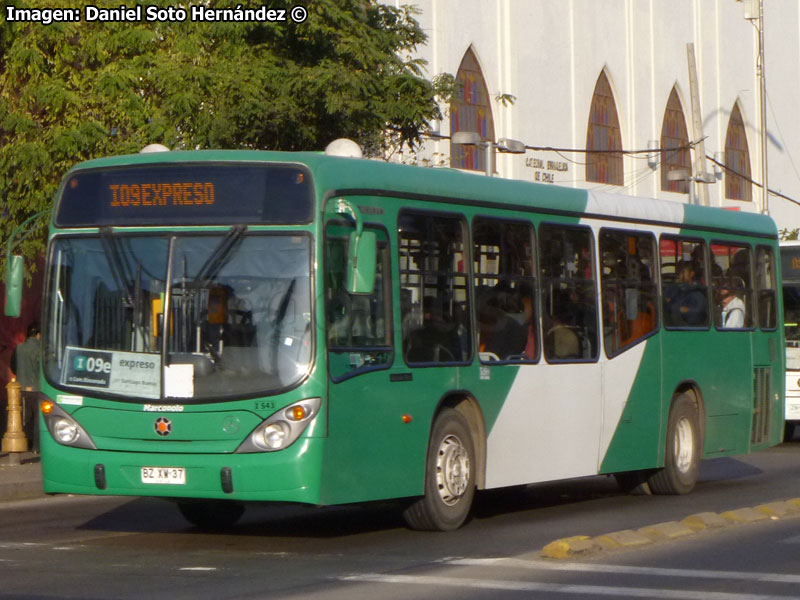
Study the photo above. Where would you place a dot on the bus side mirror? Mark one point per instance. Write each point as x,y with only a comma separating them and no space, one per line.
14,273
361,264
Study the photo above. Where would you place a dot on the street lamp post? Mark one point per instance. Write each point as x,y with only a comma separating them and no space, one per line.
684,175
473,138
754,12
763,103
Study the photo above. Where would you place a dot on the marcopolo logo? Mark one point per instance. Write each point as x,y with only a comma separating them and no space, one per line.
163,408
163,426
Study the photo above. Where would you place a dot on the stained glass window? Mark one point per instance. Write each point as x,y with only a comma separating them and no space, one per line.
470,110
674,135
604,134
737,160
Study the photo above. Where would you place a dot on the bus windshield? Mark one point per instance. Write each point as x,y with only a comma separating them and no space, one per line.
791,307
790,269
239,307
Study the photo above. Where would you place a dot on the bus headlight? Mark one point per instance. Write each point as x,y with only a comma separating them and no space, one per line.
275,435
65,430
282,429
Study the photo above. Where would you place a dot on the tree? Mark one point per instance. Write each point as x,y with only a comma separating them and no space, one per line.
74,91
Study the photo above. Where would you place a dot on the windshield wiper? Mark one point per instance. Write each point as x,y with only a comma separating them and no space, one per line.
219,256
277,324
131,291
117,267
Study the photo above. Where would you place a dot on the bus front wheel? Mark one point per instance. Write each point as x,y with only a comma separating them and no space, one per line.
211,515
683,449
449,476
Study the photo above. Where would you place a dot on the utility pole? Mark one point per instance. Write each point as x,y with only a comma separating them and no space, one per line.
754,12
763,105
697,127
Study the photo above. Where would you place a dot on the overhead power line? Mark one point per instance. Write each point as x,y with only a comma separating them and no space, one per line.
648,151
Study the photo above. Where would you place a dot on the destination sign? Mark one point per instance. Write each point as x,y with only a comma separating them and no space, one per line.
187,194
162,194
790,263
129,373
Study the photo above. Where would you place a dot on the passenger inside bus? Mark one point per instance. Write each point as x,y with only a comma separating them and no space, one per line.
530,321
436,340
685,302
730,307
697,263
229,321
562,340
500,333
629,312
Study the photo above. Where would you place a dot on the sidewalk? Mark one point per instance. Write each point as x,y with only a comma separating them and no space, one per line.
20,476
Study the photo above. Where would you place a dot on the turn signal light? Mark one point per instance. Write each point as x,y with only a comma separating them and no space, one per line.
47,407
299,412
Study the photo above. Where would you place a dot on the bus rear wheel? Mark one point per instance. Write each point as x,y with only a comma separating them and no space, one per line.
211,515
683,449
449,477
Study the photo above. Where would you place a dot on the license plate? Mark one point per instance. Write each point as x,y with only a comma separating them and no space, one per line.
170,475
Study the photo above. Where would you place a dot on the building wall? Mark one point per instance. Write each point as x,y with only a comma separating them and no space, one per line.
548,54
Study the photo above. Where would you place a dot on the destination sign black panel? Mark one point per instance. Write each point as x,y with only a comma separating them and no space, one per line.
187,194
790,263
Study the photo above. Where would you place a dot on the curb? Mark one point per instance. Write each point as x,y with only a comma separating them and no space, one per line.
20,477
23,490
584,545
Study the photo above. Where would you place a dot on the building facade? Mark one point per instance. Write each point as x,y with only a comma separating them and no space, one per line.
600,92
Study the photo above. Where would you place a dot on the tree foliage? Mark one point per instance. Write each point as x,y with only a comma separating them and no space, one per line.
74,91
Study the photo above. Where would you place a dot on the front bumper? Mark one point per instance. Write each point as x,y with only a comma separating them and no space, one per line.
290,475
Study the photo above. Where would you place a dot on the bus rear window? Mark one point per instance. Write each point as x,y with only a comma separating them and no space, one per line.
188,194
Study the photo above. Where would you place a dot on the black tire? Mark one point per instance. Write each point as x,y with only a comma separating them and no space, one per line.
212,515
449,477
789,431
684,448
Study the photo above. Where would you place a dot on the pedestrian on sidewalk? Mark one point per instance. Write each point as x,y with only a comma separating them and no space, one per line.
25,363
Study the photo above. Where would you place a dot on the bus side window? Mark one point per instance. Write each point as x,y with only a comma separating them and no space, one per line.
766,288
732,283
684,283
569,299
434,299
628,287
505,289
358,325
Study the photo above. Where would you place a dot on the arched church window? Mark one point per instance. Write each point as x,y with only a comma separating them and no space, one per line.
470,110
737,159
604,135
675,153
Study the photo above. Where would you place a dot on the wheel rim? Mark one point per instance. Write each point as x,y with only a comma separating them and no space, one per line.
684,445
452,470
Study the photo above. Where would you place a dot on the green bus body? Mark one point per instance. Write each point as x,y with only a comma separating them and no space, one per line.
530,418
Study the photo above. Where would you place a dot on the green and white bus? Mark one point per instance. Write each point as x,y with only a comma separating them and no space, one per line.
225,327
790,280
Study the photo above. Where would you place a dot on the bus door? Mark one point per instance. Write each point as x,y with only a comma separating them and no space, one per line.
363,458
743,284
538,363
768,350
632,375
